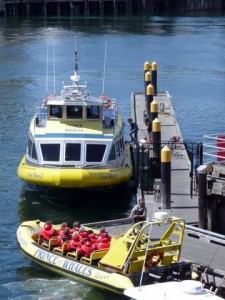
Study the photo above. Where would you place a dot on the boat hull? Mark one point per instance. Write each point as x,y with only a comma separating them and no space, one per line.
73,178
66,266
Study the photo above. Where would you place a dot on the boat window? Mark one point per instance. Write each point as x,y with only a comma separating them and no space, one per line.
122,143
117,149
93,112
112,155
31,149
95,153
50,152
74,111
34,152
56,111
73,152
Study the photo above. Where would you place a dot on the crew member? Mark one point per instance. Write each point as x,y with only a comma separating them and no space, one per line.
133,131
139,211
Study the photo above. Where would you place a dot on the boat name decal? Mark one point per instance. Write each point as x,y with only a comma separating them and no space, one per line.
74,125
108,176
47,257
101,276
77,267
74,128
67,264
35,175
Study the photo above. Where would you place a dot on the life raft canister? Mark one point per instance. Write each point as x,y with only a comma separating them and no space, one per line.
106,102
149,263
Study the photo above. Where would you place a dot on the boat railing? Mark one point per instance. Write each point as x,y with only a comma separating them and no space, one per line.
213,148
41,116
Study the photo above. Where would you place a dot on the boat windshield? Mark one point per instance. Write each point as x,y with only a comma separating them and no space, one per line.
74,111
56,111
93,112
95,153
69,152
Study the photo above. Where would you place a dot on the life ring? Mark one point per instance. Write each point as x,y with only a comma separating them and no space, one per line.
106,102
149,259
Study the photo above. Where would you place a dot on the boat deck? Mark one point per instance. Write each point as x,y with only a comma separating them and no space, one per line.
199,246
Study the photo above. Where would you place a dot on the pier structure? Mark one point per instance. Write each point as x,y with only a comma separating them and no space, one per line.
106,7
178,195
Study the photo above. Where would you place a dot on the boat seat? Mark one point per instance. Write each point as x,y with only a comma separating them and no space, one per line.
51,243
35,237
96,255
62,250
73,254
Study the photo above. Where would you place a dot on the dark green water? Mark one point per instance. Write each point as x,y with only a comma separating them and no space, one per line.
190,56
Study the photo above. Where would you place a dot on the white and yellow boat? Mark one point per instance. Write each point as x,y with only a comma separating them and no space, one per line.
76,141
131,258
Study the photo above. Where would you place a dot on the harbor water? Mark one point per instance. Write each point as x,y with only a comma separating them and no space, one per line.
189,51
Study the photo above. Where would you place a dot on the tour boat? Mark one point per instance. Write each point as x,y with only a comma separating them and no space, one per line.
185,290
147,252
76,141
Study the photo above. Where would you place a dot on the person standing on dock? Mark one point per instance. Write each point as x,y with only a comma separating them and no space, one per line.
133,131
139,211
148,124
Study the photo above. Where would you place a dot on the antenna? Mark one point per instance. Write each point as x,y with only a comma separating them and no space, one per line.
54,66
76,64
46,84
75,78
103,83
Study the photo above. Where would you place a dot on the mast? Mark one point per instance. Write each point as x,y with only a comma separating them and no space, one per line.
75,78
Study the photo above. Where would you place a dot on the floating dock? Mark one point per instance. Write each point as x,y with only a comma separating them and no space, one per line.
204,248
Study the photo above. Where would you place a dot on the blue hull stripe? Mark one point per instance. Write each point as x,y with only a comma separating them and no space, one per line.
74,136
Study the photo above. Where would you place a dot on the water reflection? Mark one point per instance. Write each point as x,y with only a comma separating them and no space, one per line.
83,206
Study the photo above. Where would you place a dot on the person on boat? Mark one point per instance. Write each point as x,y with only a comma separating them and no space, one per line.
47,232
63,227
64,237
75,242
83,233
102,231
139,211
103,241
76,227
87,248
148,124
133,131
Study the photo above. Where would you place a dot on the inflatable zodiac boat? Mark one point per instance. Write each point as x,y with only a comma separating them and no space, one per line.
148,252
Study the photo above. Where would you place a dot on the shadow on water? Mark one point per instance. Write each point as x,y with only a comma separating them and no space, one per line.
85,206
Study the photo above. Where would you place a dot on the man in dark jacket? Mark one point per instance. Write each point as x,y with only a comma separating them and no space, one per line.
133,131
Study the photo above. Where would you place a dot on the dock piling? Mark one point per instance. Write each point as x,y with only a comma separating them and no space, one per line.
166,178
154,77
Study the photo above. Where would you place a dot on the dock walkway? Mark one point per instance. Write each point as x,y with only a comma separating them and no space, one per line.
197,247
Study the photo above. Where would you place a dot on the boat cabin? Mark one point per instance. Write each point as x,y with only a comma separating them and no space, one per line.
87,126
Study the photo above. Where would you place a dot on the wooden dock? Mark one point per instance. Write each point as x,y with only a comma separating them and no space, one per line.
203,248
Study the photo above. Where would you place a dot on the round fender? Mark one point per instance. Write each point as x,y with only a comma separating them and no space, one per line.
149,259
